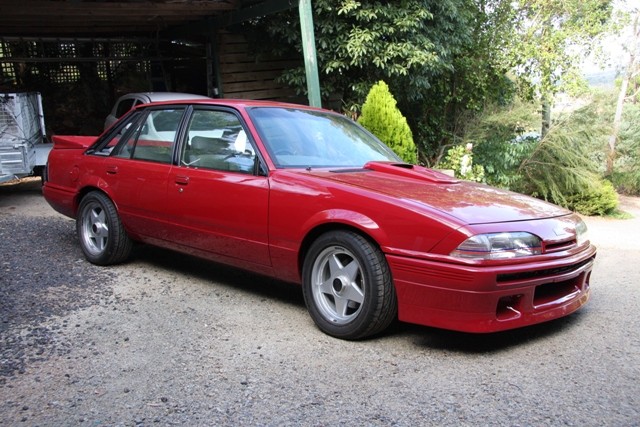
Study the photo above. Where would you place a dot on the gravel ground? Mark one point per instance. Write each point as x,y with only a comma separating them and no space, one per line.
168,339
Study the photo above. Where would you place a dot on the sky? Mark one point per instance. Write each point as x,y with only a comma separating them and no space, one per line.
615,56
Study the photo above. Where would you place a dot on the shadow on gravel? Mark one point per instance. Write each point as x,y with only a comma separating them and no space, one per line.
441,339
282,292
221,275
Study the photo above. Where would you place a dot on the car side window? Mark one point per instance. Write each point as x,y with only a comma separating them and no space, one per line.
216,140
123,107
106,145
127,141
152,138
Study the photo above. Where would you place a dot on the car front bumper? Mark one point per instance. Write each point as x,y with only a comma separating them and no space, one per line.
490,299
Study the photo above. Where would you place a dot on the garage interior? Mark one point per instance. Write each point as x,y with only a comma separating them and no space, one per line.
81,55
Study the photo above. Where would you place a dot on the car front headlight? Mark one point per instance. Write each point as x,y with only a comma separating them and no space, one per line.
499,246
582,235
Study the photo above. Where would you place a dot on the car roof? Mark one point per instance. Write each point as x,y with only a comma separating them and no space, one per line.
234,103
163,96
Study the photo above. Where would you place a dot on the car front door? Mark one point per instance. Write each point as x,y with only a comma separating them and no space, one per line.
217,201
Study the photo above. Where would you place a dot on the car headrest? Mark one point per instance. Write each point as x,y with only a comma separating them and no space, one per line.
205,143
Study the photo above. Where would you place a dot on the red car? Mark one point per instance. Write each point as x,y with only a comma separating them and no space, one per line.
308,196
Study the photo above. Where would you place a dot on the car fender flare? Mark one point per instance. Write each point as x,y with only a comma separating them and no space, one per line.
93,184
332,219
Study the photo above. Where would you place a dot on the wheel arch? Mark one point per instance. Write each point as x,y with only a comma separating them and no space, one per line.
93,184
374,235
83,192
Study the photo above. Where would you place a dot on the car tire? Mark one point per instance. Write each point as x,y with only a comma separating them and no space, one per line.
103,239
347,286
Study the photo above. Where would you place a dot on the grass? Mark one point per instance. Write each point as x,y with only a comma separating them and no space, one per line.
618,214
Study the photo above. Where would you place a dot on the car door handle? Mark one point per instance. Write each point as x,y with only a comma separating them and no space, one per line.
112,170
182,180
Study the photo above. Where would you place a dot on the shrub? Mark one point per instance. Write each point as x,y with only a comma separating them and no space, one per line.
501,159
602,199
460,160
562,164
381,116
502,137
628,182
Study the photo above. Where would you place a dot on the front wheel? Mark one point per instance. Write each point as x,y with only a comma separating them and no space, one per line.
347,286
103,239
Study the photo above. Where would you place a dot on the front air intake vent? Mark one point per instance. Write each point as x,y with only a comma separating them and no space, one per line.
543,273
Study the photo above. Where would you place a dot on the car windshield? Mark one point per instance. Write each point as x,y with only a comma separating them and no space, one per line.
298,138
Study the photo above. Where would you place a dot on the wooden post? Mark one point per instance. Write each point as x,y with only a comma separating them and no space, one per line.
214,79
309,51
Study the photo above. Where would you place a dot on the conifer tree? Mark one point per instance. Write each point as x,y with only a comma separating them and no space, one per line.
381,116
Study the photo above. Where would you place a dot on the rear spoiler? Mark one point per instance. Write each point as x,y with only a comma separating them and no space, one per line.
72,142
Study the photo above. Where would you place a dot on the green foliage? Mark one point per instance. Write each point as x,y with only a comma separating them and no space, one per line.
564,167
444,60
552,38
626,176
503,136
598,117
382,118
627,182
361,42
561,164
502,159
601,199
460,160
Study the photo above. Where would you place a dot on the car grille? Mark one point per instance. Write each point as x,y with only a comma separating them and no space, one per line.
543,273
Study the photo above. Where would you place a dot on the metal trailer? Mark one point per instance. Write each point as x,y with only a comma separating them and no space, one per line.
23,143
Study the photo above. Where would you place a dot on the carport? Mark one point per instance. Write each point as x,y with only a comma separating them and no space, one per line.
180,45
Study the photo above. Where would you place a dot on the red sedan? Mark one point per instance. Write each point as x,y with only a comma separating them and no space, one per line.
308,196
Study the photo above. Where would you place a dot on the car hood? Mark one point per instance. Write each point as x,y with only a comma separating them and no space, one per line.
423,189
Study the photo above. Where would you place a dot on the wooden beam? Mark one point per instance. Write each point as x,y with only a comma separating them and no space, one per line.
264,8
48,9
42,17
238,16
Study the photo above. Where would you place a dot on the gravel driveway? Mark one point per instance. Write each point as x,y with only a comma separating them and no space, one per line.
168,339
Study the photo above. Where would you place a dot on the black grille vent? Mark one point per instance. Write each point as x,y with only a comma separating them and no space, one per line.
543,273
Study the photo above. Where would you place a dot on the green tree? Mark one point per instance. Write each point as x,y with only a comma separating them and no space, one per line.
631,73
476,78
381,116
441,58
444,60
503,137
551,38
361,42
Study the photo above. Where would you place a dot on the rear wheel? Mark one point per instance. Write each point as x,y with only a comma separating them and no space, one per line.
102,236
347,286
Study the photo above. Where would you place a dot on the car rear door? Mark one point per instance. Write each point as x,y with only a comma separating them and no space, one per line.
217,201
137,169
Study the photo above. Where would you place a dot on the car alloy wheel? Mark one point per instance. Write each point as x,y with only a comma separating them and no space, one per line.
347,286
338,285
102,236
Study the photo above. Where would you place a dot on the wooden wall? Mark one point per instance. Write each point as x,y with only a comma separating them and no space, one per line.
246,76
